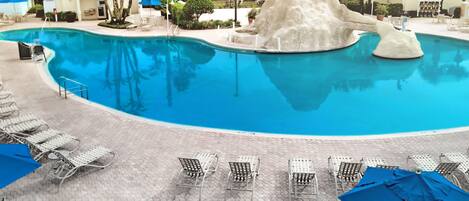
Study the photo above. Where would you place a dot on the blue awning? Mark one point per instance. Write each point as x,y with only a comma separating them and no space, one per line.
150,2
12,1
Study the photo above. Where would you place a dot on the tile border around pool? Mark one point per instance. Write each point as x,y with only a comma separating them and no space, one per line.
47,78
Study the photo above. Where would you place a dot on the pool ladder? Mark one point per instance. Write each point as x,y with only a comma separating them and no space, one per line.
77,87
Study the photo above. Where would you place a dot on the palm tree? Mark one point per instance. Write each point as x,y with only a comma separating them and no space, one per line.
119,13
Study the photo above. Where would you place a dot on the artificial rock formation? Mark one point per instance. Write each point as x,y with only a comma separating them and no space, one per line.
318,25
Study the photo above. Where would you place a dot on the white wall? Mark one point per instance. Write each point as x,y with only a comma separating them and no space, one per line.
19,8
66,5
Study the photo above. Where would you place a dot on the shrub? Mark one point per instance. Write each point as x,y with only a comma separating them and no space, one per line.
69,16
396,10
195,8
35,8
115,26
212,24
354,5
381,9
177,13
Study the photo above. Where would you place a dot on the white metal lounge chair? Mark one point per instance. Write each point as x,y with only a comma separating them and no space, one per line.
344,173
68,165
5,94
7,101
243,172
43,136
425,162
195,169
377,162
22,124
460,158
18,119
53,144
302,179
8,111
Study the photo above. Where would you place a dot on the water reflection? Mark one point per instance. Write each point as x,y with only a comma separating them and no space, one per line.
306,86
122,70
438,71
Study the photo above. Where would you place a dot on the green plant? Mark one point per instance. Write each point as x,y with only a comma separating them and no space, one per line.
253,13
354,5
381,9
35,8
212,24
177,12
195,8
51,16
69,16
396,10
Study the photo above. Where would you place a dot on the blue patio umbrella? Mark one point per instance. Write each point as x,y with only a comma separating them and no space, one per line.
402,185
15,162
150,2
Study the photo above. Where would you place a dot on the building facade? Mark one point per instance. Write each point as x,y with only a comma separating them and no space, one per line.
85,9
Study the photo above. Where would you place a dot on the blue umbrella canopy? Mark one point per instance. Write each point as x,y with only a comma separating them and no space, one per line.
150,2
402,185
15,162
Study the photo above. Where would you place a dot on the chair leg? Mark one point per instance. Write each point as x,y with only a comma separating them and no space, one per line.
253,187
201,187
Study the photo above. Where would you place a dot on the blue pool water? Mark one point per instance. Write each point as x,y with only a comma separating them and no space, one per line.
342,92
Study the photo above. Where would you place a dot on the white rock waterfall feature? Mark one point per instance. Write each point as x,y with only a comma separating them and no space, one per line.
320,25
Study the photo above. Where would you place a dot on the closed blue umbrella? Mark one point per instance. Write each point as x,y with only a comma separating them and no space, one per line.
402,185
15,162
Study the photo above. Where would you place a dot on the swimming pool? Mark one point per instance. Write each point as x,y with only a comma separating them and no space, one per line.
342,92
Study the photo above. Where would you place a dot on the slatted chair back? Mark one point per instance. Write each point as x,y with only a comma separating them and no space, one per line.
349,171
191,166
303,178
389,167
241,171
446,169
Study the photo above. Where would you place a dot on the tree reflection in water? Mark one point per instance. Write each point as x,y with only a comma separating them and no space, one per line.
122,70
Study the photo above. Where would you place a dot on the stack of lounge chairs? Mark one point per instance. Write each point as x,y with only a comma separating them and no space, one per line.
45,142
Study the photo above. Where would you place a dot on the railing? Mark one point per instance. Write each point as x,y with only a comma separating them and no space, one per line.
44,24
77,87
173,30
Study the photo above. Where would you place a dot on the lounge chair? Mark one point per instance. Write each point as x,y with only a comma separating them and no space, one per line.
22,124
425,162
8,111
195,169
7,101
243,172
25,51
4,94
40,150
344,172
68,165
38,51
302,179
377,162
43,136
462,159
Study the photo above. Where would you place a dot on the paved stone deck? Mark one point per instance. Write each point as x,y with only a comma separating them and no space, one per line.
147,152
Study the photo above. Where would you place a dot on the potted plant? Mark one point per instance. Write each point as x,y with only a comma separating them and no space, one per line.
381,11
252,15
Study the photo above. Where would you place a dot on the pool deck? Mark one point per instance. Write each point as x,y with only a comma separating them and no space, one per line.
147,165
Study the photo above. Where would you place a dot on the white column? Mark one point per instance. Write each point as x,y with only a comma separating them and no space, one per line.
78,10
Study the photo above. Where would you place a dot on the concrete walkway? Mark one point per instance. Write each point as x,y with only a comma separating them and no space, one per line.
147,152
